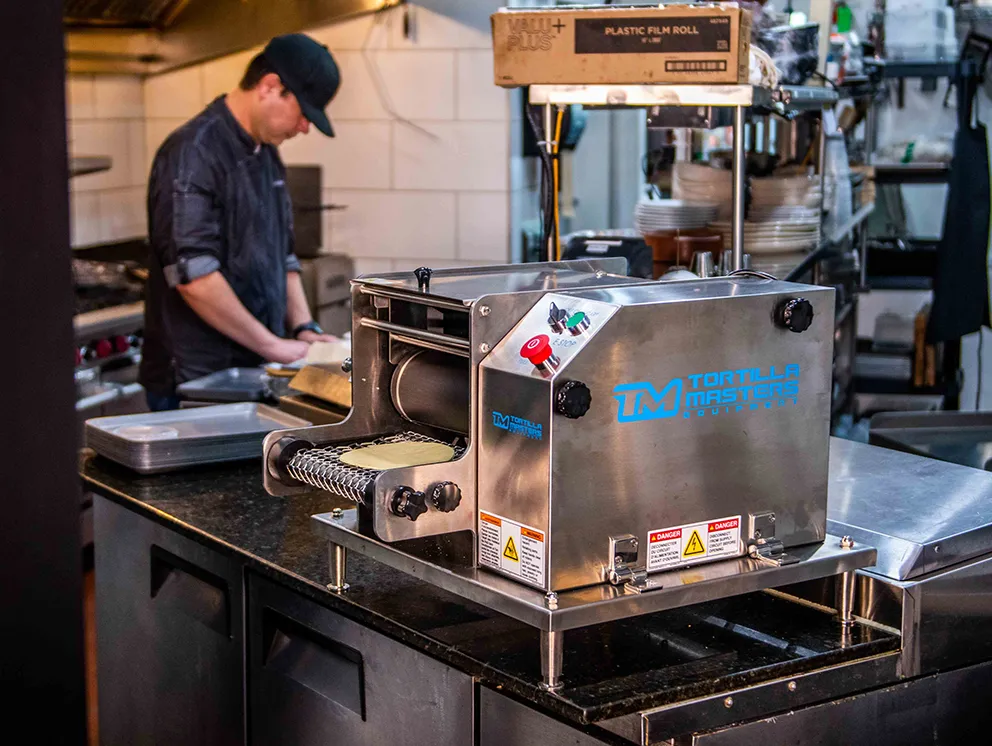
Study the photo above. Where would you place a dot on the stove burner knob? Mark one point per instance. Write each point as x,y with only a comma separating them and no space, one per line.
446,496
573,399
408,503
104,348
795,314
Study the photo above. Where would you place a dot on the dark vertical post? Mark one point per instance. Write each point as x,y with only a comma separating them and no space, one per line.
41,673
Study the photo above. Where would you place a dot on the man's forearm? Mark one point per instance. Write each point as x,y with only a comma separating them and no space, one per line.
297,310
214,301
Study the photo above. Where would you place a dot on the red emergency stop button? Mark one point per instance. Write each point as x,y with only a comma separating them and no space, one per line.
537,349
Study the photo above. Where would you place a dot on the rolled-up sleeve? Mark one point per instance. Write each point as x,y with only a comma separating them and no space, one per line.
197,219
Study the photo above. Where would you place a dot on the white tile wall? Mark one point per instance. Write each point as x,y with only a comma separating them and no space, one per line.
464,156
85,218
419,84
224,74
484,226
393,224
122,213
413,198
80,95
357,157
175,94
119,97
357,98
442,24
102,137
477,97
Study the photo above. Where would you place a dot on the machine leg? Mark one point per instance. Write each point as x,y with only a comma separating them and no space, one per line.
739,174
337,556
845,600
551,657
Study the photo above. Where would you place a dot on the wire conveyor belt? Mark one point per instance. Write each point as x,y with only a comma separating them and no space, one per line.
322,468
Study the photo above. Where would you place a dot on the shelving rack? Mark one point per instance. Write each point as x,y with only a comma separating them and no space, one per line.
783,100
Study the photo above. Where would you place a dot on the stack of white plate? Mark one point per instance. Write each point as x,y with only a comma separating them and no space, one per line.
659,215
698,183
774,236
779,265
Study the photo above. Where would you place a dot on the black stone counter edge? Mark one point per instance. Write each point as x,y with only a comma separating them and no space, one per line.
340,603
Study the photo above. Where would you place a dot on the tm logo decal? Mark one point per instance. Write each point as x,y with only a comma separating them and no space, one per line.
714,393
518,426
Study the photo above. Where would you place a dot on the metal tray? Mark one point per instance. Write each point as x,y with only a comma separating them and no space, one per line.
231,385
958,437
166,441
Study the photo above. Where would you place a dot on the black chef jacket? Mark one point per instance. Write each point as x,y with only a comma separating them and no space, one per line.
217,201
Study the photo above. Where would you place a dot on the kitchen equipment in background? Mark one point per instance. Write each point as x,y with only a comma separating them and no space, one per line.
157,442
672,250
230,385
658,215
794,50
624,242
703,265
326,284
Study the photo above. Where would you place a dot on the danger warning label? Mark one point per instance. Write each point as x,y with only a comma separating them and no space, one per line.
696,542
512,547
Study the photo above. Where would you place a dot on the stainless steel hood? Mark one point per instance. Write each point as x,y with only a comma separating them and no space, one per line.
150,36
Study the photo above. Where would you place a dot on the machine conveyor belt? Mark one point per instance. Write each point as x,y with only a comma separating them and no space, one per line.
322,468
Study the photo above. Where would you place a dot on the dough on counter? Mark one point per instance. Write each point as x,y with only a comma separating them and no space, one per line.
397,455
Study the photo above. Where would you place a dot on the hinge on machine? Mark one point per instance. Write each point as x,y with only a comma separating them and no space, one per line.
762,544
623,569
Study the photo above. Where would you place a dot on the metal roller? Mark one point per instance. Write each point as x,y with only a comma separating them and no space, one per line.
432,388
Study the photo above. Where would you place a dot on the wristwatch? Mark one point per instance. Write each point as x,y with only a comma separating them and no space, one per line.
309,326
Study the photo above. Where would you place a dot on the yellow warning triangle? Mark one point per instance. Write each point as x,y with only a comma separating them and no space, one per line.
695,546
510,552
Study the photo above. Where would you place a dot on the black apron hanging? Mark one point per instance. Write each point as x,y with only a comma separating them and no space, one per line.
961,283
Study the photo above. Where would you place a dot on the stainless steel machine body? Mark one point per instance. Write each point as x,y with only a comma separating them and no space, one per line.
605,427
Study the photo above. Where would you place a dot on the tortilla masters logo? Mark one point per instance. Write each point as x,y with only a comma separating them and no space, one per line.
709,394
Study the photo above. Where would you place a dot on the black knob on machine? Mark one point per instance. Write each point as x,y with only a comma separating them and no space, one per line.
573,399
408,503
795,314
423,275
445,496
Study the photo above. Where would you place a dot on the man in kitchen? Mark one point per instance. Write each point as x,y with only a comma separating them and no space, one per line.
224,286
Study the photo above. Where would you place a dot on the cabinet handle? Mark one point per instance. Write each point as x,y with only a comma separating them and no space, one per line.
179,584
326,667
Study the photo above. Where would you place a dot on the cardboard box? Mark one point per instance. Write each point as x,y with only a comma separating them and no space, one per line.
621,45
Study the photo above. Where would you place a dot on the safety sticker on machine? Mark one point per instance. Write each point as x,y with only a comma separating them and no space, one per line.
511,547
684,545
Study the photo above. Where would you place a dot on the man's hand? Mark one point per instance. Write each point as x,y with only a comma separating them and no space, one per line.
286,351
311,337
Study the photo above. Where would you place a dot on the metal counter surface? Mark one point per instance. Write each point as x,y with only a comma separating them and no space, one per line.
921,514
611,669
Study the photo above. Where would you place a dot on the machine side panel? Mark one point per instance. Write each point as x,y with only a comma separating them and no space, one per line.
700,411
514,464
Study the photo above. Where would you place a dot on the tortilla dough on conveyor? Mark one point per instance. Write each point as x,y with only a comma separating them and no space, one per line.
397,455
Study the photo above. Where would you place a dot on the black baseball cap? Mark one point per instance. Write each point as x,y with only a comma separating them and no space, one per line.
308,70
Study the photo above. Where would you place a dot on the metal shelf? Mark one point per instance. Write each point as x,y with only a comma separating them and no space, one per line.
790,98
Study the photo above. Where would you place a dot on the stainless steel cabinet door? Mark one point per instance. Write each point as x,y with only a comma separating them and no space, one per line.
316,677
169,635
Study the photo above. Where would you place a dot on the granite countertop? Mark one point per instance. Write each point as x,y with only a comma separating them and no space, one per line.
609,670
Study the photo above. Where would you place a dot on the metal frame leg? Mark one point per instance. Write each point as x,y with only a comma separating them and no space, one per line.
845,601
739,173
337,557
870,125
551,659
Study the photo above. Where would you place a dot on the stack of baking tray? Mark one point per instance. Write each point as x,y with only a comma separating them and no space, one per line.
167,441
